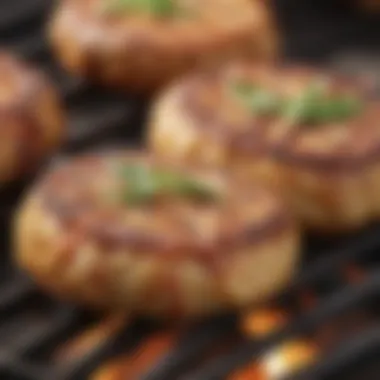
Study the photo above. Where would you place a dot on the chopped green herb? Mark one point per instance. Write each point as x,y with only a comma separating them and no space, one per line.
141,185
305,106
144,184
159,8
313,106
260,101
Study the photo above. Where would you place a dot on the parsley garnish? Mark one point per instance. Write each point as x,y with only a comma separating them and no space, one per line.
259,100
143,184
312,106
159,8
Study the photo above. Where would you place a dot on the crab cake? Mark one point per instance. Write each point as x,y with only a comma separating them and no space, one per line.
123,231
30,116
141,45
311,134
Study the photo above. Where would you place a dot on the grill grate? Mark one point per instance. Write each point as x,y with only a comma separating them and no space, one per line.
341,277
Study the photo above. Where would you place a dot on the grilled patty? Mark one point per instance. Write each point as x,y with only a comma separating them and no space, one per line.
311,134
30,117
123,231
133,46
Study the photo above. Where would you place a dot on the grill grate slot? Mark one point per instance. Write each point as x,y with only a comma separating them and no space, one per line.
32,47
341,302
351,351
122,342
18,16
192,348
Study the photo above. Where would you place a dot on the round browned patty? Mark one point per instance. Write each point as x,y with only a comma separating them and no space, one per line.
99,230
134,48
314,135
31,119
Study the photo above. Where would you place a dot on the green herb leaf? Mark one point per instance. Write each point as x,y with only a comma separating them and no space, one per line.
140,186
162,8
195,189
304,107
260,101
143,184
159,8
312,106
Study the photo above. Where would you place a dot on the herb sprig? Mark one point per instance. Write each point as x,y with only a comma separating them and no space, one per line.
158,8
144,184
313,106
258,99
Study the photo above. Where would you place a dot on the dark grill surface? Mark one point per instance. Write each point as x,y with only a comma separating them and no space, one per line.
340,278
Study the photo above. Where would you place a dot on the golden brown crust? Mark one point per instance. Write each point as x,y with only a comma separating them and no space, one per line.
172,226
332,146
326,170
30,116
142,53
173,257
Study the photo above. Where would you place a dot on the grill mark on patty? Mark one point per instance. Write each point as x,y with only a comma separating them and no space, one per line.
110,231
255,142
111,235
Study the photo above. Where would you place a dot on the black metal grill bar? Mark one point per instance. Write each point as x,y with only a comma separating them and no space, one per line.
122,342
22,370
326,266
348,353
341,302
69,323
354,247
32,47
14,293
15,19
192,348
91,129
183,355
60,321
71,88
